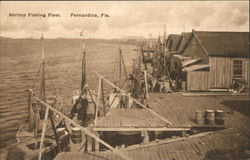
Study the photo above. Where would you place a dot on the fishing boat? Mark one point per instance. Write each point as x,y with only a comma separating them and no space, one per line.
29,133
83,99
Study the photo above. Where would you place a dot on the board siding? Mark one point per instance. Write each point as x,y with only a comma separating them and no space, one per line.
221,71
198,81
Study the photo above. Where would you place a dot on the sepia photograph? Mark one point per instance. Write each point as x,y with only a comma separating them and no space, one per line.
124,80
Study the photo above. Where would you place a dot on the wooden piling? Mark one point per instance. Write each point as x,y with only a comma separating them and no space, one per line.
145,137
97,145
89,143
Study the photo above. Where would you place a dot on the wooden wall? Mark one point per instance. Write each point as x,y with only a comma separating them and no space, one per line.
198,81
221,71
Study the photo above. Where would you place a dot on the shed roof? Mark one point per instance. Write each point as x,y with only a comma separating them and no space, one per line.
186,36
229,44
195,67
176,39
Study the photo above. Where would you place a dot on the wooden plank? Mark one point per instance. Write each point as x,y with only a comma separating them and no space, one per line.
98,100
59,156
162,156
97,145
140,129
146,153
189,147
43,133
89,144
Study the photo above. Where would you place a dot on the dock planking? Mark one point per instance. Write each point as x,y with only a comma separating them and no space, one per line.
181,112
179,150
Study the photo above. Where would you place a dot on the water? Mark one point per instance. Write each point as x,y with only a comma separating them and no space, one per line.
20,60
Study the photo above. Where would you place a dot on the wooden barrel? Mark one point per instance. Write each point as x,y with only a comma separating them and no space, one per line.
209,117
199,117
60,132
76,135
219,117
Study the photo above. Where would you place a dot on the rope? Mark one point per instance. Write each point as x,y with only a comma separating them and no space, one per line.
39,70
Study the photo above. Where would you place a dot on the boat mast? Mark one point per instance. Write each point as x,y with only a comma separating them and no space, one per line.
42,94
164,51
120,67
83,63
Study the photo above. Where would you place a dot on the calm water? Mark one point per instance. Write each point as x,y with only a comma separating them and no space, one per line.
20,61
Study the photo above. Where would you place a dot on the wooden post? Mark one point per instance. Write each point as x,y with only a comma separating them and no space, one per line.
145,137
97,145
98,99
103,98
86,131
120,68
146,83
89,143
124,68
139,63
36,129
54,130
135,100
183,134
43,133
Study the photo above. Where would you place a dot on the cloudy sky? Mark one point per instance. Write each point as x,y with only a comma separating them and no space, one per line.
126,18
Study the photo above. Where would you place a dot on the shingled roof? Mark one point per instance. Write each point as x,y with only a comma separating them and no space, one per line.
229,44
173,41
186,36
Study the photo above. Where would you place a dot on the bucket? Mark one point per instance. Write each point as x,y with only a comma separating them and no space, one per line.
219,117
60,132
209,117
199,117
76,135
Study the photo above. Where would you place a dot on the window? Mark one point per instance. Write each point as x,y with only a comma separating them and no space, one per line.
237,69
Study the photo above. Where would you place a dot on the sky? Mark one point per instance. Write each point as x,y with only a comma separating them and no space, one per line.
139,18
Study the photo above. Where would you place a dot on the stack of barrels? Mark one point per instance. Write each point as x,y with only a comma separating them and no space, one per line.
211,117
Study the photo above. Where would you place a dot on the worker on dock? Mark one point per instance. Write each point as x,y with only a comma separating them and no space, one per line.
75,118
80,107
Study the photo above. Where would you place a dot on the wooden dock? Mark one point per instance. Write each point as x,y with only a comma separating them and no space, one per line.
228,143
134,120
179,110
225,144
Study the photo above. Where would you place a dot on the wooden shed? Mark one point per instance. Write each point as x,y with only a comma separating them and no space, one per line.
218,59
